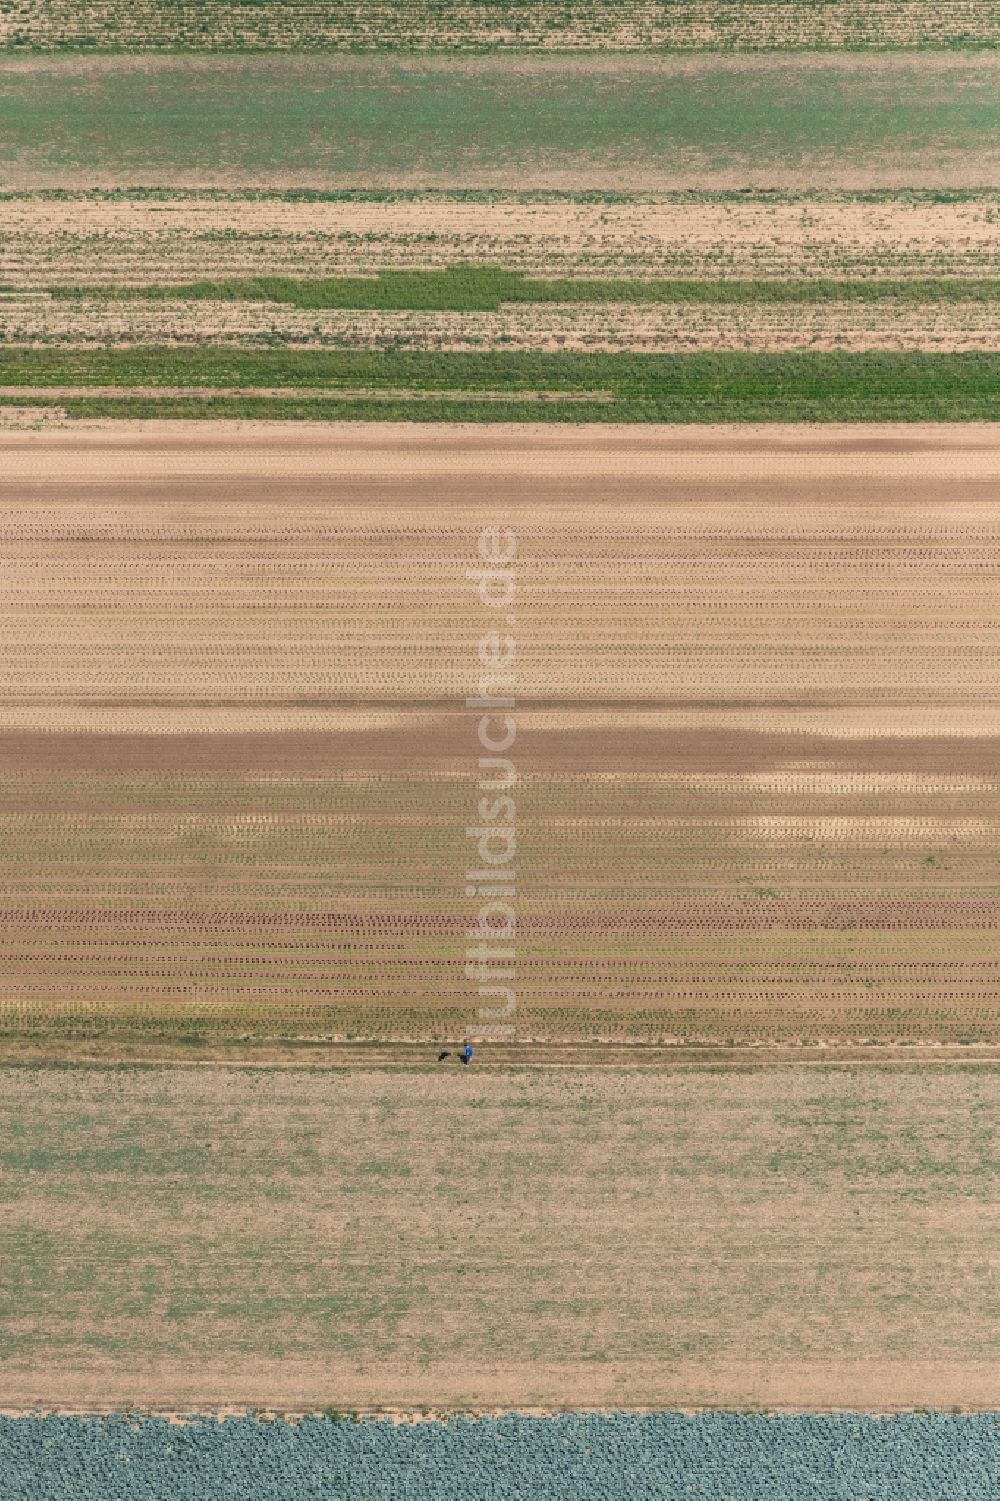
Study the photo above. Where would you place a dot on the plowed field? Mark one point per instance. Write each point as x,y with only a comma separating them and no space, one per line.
758,710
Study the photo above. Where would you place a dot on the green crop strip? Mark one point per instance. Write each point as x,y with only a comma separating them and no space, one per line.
629,374
385,121
827,386
486,288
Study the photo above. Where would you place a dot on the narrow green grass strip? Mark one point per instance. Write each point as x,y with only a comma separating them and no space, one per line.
485,288
632,374
808,387
667,411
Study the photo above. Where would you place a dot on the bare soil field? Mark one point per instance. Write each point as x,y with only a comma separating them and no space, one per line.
758,712
286,1239
456,25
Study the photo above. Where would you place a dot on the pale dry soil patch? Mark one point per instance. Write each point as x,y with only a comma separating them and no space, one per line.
365,1239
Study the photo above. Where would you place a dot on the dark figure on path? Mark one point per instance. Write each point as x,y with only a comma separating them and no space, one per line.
465,1055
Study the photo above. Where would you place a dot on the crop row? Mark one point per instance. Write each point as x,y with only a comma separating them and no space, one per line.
103,239
901,323
692,915
487,288
691,387
458,25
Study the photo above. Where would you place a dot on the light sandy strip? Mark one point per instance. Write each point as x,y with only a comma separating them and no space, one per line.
924,721
954,452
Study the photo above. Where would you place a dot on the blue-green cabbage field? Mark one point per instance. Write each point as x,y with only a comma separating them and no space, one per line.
618,1457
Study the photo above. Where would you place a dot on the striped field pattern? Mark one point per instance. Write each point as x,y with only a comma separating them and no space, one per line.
757,693
457,25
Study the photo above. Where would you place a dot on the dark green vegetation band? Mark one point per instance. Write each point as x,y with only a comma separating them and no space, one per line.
486,288
711,1456
877,386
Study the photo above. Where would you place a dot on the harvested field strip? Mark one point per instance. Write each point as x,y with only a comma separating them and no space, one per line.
457,25
175,237
673,388
136,1200
488,288
564,122
757,693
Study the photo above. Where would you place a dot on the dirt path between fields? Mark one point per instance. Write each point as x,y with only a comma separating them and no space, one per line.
93,452
410,1057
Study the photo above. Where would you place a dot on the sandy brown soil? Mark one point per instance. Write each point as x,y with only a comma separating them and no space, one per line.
120,450
238,1382
758,724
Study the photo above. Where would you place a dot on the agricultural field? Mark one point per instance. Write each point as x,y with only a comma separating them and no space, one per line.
458,25
610,1456
578,386
139,238
757,691
698,302
299,1239
716,275
894,324
621,123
